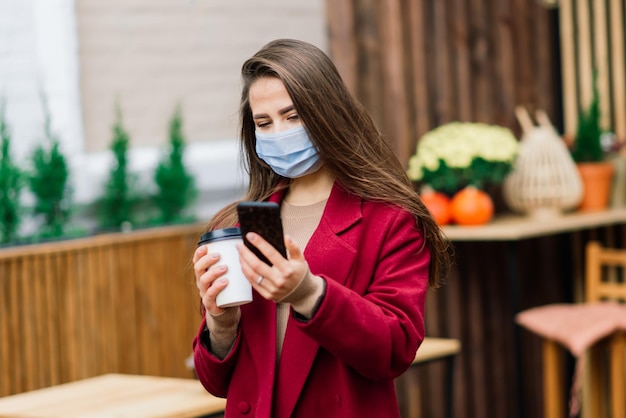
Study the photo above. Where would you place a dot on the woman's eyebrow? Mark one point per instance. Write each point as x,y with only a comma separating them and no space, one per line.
280,112
286,109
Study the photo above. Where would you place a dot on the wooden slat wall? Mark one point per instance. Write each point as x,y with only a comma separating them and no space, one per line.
418,64
593,34
119,303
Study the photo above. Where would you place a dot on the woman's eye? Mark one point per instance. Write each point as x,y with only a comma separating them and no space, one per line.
262,124
293,117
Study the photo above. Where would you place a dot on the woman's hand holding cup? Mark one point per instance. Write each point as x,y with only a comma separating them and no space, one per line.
209,278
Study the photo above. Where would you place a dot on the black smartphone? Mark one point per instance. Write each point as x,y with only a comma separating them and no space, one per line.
264,219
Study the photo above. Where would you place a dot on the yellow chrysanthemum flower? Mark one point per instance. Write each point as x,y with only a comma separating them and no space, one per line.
462,153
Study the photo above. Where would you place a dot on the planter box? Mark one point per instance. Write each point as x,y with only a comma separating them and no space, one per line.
113,303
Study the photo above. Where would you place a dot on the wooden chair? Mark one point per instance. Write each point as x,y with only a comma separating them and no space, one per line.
598,289
605,281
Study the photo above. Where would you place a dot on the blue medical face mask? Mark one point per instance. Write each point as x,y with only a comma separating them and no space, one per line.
290,153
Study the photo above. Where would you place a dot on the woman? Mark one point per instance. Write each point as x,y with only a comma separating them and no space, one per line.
333,324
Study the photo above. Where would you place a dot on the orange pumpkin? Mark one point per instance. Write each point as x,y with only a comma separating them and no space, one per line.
471,206
439,206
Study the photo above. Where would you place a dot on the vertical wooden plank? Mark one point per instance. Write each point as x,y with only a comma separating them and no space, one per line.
34,320
417,42
153,319
85,344
172,357
174,283
455,300
105,319
144,340
585,64
568,66
618,67
89,347
191,298
443,96
111,280
395,99
525,75
191,301
91,325
127,313
72,335
463,71
58,299
371,87
7,268
51,283
4,333
17,329
495,285
601,50
342,43
139,312
168,355
475,339
188,301
545,92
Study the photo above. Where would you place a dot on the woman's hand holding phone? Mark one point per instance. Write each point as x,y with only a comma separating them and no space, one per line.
273,263
276,281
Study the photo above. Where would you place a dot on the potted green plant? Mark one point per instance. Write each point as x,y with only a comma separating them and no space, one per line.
595,170
460,154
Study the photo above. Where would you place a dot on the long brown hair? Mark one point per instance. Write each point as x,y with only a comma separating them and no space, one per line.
348,142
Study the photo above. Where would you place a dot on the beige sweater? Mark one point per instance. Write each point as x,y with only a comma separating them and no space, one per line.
299,222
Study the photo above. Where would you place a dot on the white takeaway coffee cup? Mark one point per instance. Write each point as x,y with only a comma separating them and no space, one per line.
224,242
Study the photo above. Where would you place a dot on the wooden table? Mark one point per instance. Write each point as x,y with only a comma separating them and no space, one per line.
510,230
115,395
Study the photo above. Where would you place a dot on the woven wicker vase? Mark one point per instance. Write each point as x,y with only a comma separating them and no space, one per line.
544,181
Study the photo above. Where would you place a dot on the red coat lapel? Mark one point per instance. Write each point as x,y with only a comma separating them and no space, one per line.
328,255
296,360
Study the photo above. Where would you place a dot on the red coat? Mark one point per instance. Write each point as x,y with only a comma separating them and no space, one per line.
343,361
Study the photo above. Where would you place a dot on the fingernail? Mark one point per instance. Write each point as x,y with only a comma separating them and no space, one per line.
214,256
251,237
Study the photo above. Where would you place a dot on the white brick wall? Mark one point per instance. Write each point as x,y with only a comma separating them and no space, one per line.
151,54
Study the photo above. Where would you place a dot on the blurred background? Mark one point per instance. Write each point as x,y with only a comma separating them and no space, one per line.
147,57
84,65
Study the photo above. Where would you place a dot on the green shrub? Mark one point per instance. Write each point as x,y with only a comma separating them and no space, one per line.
587,145
120,195
48,182
175,186
10,185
